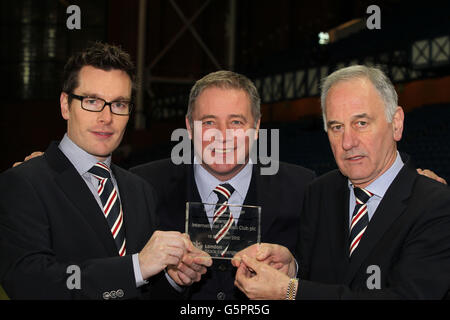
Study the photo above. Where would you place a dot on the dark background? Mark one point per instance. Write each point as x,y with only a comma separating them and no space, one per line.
275,44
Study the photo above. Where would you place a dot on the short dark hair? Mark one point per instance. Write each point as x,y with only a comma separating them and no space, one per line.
99,55
226,80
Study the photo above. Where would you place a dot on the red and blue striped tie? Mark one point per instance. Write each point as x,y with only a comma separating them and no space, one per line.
223,219
111,205
360,218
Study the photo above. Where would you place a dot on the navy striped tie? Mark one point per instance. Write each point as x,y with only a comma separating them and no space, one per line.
360,218
223,219
111,205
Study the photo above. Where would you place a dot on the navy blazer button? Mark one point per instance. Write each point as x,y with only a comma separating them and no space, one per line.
222,267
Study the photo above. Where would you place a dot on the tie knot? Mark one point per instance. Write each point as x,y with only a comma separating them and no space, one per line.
362,195
224,192
100,170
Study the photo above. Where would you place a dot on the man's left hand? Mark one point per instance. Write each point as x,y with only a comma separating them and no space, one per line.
259,281
274,255
431,174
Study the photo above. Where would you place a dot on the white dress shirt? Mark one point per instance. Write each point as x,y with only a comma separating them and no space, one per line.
377,187
206,183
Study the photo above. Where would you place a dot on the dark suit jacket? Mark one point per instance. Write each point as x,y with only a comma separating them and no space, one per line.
280,197
408,239
50,220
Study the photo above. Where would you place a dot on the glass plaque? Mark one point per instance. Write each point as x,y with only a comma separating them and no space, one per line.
223,230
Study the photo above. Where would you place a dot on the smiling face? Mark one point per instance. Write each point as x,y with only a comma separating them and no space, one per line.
98,133
225,117
362,140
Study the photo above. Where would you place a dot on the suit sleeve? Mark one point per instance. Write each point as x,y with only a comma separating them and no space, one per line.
308,223
159,287
30,269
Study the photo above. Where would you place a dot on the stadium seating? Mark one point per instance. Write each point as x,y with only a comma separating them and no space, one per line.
426,138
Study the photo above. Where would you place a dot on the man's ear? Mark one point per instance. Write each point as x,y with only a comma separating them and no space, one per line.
397,123
188,127
64,103
257,129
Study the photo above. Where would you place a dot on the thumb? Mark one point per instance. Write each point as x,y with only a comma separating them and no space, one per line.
263,252
251,263
236,261
188,243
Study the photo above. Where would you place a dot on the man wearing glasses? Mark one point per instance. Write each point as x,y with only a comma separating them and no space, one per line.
75,226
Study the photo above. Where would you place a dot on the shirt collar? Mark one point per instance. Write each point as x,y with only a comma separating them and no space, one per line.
206,182
382,183
81,160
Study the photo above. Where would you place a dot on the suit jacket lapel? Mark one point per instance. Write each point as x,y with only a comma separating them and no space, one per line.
338,226
129,208
76,190
252,197
250,218
390,208
257,196
192,194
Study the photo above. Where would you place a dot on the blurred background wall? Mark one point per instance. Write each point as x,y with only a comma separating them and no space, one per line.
285,46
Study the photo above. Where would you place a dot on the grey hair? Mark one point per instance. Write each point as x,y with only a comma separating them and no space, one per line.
225,80
376,76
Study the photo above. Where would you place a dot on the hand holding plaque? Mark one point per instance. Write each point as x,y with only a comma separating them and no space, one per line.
223,230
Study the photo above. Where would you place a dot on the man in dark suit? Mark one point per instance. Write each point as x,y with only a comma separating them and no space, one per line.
373,229
224,101
74,225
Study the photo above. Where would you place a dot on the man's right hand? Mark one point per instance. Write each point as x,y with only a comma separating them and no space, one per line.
31,156
165,248
194,264
274,255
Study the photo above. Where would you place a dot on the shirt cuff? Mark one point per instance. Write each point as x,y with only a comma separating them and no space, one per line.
173,283
137,272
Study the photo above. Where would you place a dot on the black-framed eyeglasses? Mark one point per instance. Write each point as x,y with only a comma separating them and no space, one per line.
94,104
